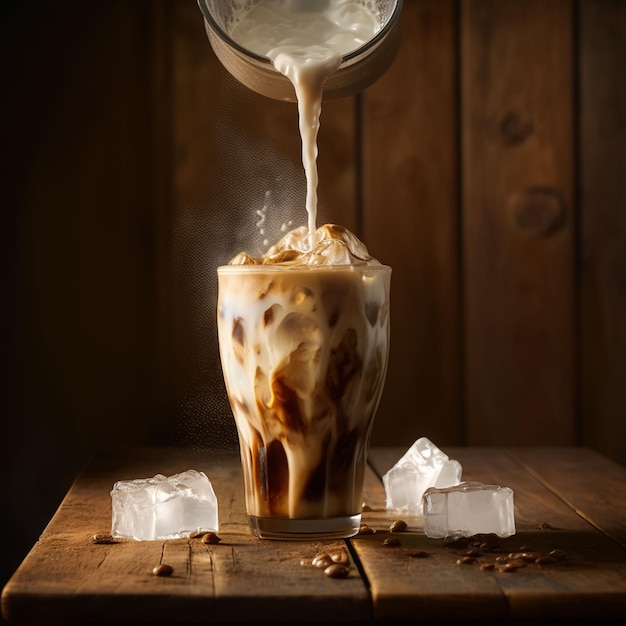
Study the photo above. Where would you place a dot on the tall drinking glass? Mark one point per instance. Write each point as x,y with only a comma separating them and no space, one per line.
304,354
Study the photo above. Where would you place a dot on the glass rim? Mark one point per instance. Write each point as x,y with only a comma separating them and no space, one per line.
270,268
346,58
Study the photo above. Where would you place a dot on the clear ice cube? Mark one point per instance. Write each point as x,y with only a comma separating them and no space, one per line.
163,507
467,509
423,466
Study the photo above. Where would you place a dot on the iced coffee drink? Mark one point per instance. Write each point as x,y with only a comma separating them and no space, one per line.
304,329
304,339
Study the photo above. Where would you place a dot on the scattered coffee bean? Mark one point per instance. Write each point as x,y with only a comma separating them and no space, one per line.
211,538
366,507
489,540
339,556
528,557
391,541
508,567
103,538
336,570
474,553
558,554
305,562
507,562
466,560
163,570
419,554
546,526
321,560
364,529
198,534
490,547
398,526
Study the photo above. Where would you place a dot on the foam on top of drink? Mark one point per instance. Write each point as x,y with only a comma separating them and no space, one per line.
328,245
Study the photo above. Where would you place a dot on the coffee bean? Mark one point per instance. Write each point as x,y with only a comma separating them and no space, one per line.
398,526
366,507
211,538
321,560
559,555
546,526
487,546
198,534
489,539
391,541
487,542
419,554
336,570
475,553
364,529
103,538
508,567
485,567
466,560
529,557
517,562
545,560
163,570
339,556
305,562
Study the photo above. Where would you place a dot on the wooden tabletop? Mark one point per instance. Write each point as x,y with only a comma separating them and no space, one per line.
567,499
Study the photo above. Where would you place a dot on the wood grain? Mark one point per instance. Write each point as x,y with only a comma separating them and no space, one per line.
586,481
411,222
602,269
519,222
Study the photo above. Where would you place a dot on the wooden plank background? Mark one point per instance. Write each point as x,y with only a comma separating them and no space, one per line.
518,221
412,222
487,166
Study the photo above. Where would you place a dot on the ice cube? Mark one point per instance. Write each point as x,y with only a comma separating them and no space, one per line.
163,507
423,466
467,509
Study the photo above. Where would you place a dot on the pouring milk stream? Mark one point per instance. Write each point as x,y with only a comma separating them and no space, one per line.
306,40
